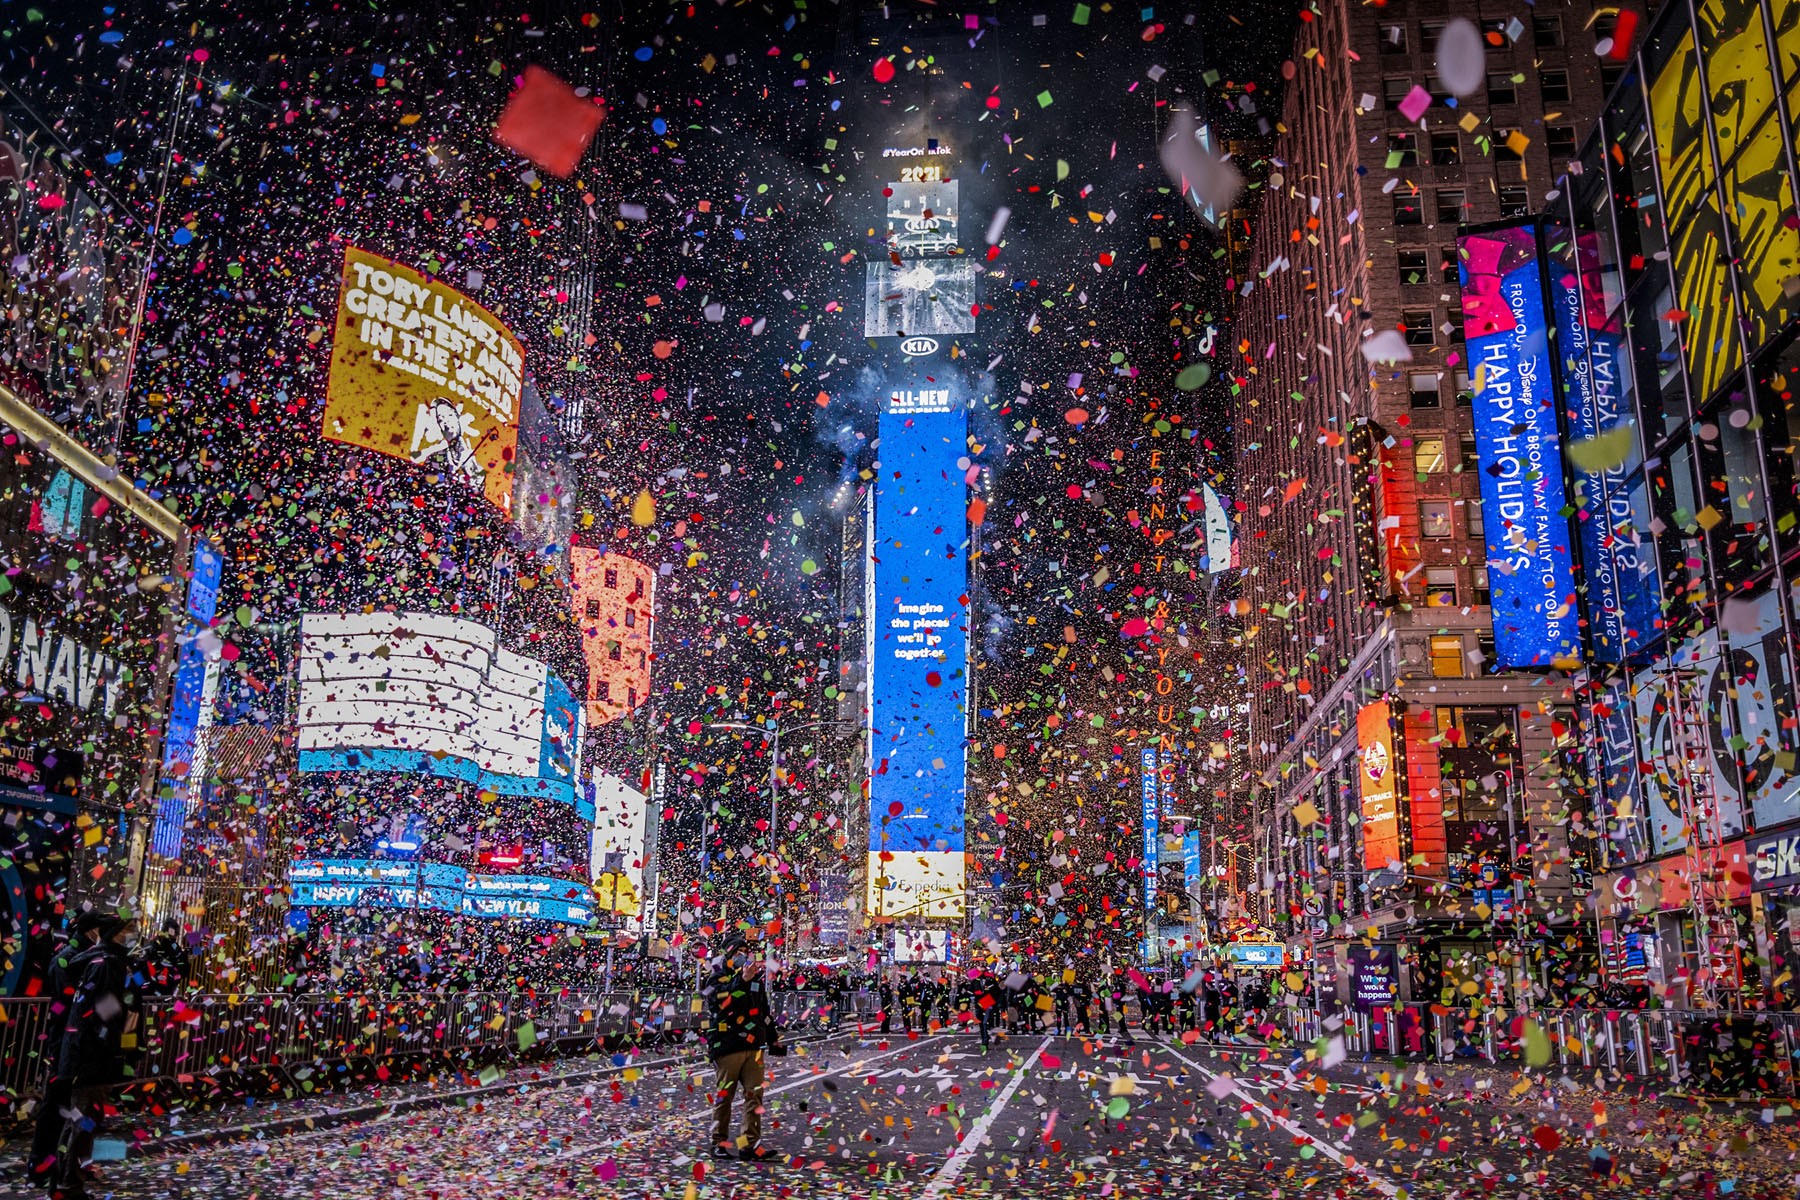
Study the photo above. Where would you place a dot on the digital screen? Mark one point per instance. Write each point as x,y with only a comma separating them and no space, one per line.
919,298
919,663
921,945
1192,869
1618,560
421,372
422,694
1254,954
1519,446
437,887
921,218
1378,774
196,682
1151,811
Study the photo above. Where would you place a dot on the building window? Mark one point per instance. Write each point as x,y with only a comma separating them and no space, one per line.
614,651
1450,206
1447,656
631,618
1434,518
1393,39
1416,324
602,690
1428,456
1424,386
1554,86
1446,148
1503,147
593,610
1396,90
1406,206
643,662
1559,140
1484,642
1472,516
1479,577
1449,266
1468,459
1501,88
633,694
1515,201
612,577
1546,32
1610,74
1440,587
1403,149
1412,266
1429,33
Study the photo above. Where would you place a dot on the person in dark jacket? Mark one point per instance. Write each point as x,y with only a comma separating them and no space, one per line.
739,1029
90,1055
165,967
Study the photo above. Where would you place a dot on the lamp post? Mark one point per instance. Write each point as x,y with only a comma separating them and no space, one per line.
773,730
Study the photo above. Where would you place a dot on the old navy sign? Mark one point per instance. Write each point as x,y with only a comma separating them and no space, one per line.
1774,860
1519,444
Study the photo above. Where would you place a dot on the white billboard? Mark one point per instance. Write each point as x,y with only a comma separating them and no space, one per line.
425,694
620,811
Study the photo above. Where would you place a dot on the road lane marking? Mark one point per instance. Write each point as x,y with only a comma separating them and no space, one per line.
706,1113
1316,1141
953,1166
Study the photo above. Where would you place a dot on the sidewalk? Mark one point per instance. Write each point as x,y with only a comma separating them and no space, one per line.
149,1133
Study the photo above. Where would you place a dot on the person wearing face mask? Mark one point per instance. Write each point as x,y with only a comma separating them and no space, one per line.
90,1055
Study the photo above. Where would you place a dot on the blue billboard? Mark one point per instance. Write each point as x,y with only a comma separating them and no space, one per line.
1618,561
1531,572
918,664
195,680
438,887
1193,871
1151,822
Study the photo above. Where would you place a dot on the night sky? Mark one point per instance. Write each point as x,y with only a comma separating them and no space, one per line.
695,290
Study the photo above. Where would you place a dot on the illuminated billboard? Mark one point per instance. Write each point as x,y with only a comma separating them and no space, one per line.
919,664
437,887
190,713
1519,446
614,598
1618,560
1150,786
423,694
921,217
617,848
919,297
1380,768
421,372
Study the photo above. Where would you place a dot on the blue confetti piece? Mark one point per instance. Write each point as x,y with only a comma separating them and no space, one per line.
112,37
660,125
643,53
182,237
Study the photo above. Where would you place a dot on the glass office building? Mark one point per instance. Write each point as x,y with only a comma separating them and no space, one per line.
1678,228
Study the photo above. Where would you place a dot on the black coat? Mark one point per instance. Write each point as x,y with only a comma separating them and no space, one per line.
737,1013
102,999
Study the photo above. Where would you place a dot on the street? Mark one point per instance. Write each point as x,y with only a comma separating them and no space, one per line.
1035,1115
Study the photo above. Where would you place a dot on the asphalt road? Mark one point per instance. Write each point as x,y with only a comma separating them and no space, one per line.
1034,1116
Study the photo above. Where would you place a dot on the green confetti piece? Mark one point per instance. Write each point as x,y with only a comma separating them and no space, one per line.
1596,454
1192,376
1117,1107
1082,13
1044,99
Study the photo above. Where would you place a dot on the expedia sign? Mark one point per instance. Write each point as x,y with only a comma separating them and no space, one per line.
919,347
1774,860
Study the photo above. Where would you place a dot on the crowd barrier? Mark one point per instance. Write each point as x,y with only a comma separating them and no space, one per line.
193,1038
1711,1052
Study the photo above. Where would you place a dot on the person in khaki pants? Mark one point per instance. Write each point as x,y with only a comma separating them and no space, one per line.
739,1029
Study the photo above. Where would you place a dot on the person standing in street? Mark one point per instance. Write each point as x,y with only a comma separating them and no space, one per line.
90,1053
740,1029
